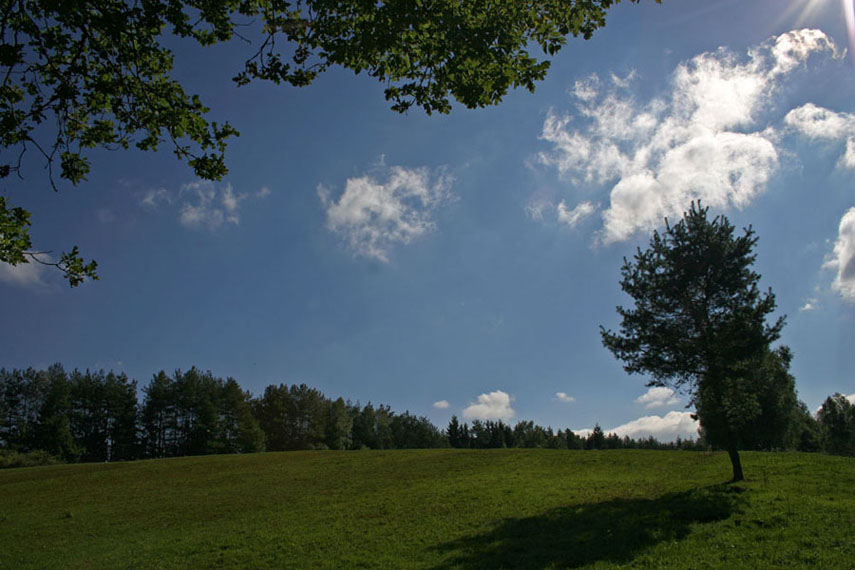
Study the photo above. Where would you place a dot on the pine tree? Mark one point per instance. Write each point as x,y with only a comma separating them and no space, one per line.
53,427
454,433
699,323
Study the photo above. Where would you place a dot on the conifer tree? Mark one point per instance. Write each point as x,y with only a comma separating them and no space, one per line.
699,323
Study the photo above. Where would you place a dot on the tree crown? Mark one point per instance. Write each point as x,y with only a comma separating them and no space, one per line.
698,308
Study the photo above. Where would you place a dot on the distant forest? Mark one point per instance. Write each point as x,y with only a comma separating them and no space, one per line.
50,415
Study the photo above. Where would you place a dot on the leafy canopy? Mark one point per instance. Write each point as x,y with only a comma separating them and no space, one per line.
93,73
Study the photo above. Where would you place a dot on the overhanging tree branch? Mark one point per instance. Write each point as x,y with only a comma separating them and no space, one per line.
98,70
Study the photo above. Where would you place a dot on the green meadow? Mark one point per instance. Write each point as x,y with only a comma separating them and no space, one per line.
433,509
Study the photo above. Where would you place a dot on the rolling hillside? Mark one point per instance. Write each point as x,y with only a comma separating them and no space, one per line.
433,509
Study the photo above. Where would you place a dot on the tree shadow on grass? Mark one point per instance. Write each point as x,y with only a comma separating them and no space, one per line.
574,536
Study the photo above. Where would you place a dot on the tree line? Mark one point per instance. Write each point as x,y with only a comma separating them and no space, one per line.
96,416
526,434
830,430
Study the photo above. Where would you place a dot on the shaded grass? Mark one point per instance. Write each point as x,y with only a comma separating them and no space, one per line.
614,531
433,509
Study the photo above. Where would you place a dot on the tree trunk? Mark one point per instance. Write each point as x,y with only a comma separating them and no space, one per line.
737,464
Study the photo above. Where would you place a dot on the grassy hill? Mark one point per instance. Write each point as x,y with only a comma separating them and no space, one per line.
433,509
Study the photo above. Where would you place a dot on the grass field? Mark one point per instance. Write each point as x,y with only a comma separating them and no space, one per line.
433,509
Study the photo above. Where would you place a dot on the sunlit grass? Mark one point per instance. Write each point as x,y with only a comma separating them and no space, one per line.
433,509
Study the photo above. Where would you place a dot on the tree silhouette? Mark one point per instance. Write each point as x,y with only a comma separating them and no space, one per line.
699,323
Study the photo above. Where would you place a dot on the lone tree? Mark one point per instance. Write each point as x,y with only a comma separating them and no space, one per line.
94,73
699,324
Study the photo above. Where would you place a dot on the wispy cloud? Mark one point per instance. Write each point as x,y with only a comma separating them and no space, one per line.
810,305
391,206
441,405
657,397
702,140
208,205
564,397
493,406
202,204
842,257
537,207
154,197
105,215
576,215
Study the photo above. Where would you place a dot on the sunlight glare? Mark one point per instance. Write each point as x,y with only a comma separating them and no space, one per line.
806,11
849,15
798,11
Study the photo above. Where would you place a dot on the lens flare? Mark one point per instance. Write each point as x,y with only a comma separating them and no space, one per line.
849,14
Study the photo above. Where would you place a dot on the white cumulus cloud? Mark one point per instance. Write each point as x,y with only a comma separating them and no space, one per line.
663,428
820,123
441,405
843,257
377,212
657,397
790,50
493,406
563,397
704,139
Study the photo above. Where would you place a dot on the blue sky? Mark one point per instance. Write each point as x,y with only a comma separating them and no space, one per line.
467,259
